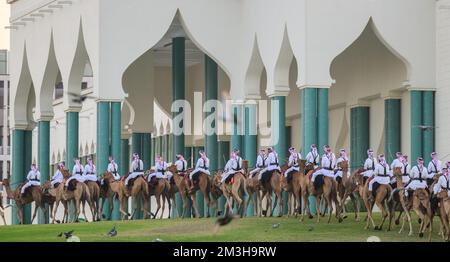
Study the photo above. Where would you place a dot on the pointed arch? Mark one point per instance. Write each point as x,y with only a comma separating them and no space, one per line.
254,71
283,64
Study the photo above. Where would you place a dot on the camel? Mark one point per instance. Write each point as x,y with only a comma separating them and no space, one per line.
269,186
399,196
234,189
293,188
32,194
253,186
181,186
113,188
381,198
327,189
94,192
203,184
444,202
159,188
139,186
422,207
348,188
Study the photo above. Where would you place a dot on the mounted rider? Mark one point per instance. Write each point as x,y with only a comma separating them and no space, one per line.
233,166
419,176
90,172
382,173
293,163
338,171
272,163
181,164
58,177
261,163
434,167
137,167
77,174
33,179
328,164
113,168
313,156
369,165
202,166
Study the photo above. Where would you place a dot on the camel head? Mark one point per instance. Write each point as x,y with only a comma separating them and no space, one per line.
344,165
108,176
172,169
217,178
358,177
245,166
398,172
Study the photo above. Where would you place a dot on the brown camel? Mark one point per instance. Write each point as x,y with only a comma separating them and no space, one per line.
203,184
140,187
270,186
294,188
253,186
398,196
327,188
113,188
159,188
348,188
32,194
180,185
422,207
444,206
382,194
94,192
234,190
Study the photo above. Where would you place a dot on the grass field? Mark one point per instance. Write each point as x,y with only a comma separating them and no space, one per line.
193,230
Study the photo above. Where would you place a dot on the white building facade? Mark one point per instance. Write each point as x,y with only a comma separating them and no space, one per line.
353,74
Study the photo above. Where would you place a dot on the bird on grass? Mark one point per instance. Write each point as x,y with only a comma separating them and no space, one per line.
66,234
275,226
158,240
223,221
113,232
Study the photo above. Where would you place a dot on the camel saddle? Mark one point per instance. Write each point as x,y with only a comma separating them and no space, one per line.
154,181
72,185
230,179
314,171
266,176
375,187
319,181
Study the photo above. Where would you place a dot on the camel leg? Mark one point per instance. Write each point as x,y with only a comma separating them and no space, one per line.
208,203
163,207
384,215
158,206
83,203
355,206
194,204
318,208
36,206
330,208
3,217
250,198
184,199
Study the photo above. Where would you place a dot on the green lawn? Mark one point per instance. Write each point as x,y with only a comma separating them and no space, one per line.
192,230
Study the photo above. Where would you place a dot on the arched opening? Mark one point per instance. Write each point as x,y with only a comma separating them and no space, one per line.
368,76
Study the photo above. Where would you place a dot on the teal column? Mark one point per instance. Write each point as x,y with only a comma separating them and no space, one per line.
28,160
278,121
224,153
250,145
178,93
392,128
416,122
103,127
178,86
309,119
188,156
153,153
166,148
160,146
71,139
116,148
428,121
211,91
136,147
359,135
322,117
18,164
124,167
146,156
44,158
199,194
236,136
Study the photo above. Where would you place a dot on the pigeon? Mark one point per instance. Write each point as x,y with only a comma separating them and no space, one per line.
275,226
113,232
225,220
158,240
310,228
67,234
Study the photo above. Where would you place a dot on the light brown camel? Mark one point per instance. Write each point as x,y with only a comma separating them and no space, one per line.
113,189
32,194
159,188
381,198
293,188
234,190
253,186
422,207
51,195
94,192
79,195
326,188
140,187
444,206
180,185
348,188
202,183
398,196
269,186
